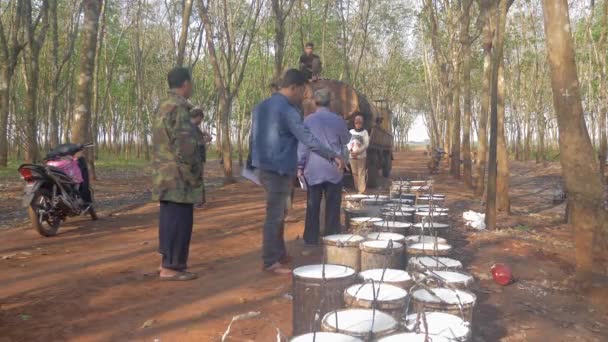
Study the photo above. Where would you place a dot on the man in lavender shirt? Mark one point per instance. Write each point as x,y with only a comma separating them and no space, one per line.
322,177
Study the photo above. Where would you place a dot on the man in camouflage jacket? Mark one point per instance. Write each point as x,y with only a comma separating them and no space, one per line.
177,178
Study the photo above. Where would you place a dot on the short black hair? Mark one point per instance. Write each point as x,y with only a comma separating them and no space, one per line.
177,77
310,44
293,77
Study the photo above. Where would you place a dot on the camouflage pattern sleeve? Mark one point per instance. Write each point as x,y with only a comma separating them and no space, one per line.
177,174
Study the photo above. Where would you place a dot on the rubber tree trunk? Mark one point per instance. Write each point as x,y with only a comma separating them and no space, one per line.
497,56
35,33
280,10
455,164
502,180
183,36
82,109
5,88
225,104
466,85
482,134
579,164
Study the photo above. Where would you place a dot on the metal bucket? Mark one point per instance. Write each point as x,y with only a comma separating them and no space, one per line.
381,296
442,326
350,213
430,249
399,278
386,237
452,301
431,227
343,249
423,263
374,204
412,239
363,225
400,216
397,227
318,289
354,200
421,216
381,254
449,279
366,324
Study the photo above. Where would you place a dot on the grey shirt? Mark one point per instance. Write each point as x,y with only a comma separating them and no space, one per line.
331,130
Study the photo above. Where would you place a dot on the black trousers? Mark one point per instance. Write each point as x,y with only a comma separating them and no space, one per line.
333,200
277,192
174,234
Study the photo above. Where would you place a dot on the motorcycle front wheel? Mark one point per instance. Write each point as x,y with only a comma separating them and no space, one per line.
45,226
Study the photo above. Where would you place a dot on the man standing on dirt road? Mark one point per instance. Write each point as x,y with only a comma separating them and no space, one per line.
321,176
276,129
177,177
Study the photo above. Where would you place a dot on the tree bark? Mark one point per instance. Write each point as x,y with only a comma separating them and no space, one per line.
455,150
81,132
35,37
502,180
10,48
281,10
228,73
579,164
603,108
183,36
466,84
492,167
482,150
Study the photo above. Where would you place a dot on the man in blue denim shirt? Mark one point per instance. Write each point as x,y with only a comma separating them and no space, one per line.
276,129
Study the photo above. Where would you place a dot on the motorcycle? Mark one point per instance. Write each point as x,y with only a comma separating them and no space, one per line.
57,189
435,162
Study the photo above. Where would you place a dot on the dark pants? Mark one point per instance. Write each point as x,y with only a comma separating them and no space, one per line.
174,234
277,191
333,200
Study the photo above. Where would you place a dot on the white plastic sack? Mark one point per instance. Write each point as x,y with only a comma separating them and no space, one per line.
474,220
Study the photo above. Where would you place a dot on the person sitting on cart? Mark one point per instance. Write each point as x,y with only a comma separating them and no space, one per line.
310,64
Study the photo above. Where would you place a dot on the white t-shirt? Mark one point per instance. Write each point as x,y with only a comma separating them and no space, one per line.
359,142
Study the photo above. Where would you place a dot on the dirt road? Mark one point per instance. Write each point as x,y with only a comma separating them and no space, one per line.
96,281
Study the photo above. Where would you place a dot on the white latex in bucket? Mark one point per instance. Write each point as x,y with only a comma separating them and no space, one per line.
381,244
392,224
414,337
430,246
453,277
390,275
325,337
382,292
444,295
316,271
434,225
435,262
386,236
427,239
360,321
440,324
360,220
344,238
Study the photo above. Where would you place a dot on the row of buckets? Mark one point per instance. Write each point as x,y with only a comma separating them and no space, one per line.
389,278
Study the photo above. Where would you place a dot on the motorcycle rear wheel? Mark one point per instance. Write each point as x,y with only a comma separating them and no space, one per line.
43,227
93,214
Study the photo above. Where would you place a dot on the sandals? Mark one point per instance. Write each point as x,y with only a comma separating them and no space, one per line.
278,269
180,276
